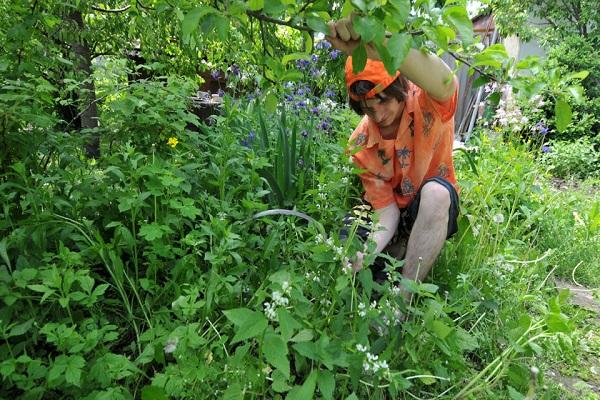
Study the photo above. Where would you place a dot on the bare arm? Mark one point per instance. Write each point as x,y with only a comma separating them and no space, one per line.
383,231
427,71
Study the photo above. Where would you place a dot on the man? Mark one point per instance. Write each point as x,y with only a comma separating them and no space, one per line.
404,144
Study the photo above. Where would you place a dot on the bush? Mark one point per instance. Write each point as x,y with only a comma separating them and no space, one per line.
572,159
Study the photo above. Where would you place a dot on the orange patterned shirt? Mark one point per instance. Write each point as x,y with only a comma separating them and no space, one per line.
396,168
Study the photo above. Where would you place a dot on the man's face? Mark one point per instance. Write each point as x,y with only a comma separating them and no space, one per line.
384,110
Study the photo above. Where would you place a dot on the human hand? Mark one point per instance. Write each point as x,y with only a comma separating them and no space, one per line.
343,37
357,261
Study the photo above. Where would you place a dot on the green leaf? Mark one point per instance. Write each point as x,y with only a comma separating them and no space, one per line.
317,24
458,17
274,7
270,103
577,93
73,370
303,336
326,382
557,322
154,393
578,75
440,329
239,316
307,349
287,324
276,351
21,329
234,392
359,4
359,58
190,22
366,27
279,382
306,391
4,254
293,57
399,46
249,323
352,397
256,5
400,11
153,231
563,115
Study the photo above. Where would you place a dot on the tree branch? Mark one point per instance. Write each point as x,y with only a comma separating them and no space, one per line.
479,70
111,10
141,5
263,17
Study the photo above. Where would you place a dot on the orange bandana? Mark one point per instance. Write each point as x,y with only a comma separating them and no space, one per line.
374,72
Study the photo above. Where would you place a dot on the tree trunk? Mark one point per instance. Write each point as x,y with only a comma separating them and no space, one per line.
87,96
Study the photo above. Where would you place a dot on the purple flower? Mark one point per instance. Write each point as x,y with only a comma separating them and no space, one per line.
546,149
329,93
300,92
289,97
251,135
314,110
221,93
304,133
323,44
216,74
245,143
301,104
235,70
314,57
314,72
541,128
335,53
302,64
324,125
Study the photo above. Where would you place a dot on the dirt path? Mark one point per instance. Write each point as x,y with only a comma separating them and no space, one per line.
584,380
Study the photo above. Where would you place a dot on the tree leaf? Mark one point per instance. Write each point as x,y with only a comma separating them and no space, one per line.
276,351
457,16
256,5
317,24
399,46
401,11
190,22
359,58
563,115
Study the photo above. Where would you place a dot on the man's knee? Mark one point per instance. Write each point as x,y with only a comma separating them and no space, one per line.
435,198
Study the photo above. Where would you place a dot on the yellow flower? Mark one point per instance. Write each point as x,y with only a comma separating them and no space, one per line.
172,142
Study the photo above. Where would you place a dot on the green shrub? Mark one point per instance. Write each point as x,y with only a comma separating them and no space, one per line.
572,159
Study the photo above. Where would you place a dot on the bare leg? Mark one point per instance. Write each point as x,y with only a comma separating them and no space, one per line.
428,233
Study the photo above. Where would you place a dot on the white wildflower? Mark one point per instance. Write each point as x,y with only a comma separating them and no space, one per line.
286,287
270,312
498,218
279,299
171,345
361,348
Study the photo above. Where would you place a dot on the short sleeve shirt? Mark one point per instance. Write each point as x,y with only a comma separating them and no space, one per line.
395,169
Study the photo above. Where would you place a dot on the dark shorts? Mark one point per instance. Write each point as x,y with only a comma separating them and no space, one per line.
408,215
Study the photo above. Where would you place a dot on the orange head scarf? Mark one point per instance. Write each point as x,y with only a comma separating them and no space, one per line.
374,72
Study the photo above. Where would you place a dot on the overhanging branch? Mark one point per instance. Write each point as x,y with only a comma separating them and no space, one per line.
111,10
276,21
